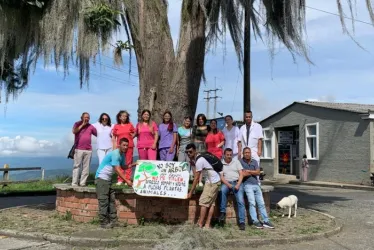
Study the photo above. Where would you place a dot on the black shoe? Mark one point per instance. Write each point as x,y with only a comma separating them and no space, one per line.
268,224
242,226
258,225
222,217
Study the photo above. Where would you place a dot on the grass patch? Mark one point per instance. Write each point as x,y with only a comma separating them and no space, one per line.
181,236
256,232
311,230
28,187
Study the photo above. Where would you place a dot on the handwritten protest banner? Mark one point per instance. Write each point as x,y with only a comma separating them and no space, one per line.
162,179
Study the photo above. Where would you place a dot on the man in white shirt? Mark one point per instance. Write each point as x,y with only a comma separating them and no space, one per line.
250,136
211,187
232,177
231,134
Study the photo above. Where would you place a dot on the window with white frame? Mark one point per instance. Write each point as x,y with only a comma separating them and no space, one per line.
267,151
311,140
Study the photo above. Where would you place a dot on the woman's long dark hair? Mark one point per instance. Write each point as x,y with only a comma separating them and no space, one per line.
188,118
101,119
198,117
119,115
171,123
215,131
150,115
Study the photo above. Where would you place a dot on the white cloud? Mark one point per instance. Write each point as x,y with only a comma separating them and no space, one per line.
325,98
27,145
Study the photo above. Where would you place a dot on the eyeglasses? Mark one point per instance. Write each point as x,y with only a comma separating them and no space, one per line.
104,118
188,152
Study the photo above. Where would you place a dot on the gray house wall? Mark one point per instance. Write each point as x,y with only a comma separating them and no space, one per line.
344,142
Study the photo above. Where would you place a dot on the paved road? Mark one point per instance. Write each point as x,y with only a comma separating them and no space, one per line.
353,207
6,202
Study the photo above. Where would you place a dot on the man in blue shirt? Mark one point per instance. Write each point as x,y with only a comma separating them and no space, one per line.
112,162
253,190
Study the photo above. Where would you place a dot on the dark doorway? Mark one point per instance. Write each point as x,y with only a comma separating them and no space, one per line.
288,150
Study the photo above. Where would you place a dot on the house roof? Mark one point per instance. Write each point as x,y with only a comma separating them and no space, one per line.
349,107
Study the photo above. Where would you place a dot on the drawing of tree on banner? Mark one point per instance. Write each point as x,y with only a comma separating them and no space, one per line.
145,171
184,166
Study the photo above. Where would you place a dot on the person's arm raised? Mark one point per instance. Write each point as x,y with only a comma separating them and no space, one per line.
76,129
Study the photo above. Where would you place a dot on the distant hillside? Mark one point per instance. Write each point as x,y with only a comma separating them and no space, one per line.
48,174
54,166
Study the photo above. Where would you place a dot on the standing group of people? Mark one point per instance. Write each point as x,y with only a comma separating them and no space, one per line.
115,149
166,140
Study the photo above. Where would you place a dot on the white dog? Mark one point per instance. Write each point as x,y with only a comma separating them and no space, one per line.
288,202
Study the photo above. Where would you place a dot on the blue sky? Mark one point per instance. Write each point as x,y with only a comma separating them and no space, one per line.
39,122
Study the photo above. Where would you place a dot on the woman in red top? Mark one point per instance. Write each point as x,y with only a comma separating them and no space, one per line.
215,140
124,129
147,133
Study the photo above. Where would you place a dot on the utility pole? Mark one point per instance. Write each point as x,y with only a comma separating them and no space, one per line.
207,98
247,63
215,97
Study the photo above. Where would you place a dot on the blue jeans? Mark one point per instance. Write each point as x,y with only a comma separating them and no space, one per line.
239,196
254,195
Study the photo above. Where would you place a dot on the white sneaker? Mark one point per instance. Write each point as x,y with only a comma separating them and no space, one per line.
201,184
119,183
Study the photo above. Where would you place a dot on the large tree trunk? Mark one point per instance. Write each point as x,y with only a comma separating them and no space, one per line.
168,81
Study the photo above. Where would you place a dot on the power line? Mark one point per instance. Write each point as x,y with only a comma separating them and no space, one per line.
118,69
215,97
112,78
236,87
335,14
132,66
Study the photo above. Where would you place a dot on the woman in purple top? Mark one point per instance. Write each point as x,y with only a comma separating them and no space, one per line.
168,137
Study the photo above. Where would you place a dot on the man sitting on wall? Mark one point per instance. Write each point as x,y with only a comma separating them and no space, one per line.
253,190
232,176
211,187
114,160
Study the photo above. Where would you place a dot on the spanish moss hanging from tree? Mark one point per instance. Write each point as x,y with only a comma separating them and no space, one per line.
78,30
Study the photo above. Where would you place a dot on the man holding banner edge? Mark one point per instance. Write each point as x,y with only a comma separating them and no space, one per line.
112,162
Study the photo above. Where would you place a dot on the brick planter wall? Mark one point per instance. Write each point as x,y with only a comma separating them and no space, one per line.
132,208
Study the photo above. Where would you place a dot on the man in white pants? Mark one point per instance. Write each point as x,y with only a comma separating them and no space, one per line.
250,135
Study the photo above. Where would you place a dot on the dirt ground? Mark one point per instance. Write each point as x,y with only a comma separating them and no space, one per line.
44,219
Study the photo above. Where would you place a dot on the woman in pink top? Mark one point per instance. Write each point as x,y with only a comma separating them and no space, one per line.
147,133
215,140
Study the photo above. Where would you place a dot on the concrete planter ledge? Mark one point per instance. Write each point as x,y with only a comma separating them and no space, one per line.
82,203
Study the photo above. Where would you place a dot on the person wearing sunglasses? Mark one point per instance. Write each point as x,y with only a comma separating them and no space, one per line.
104,136
212,184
